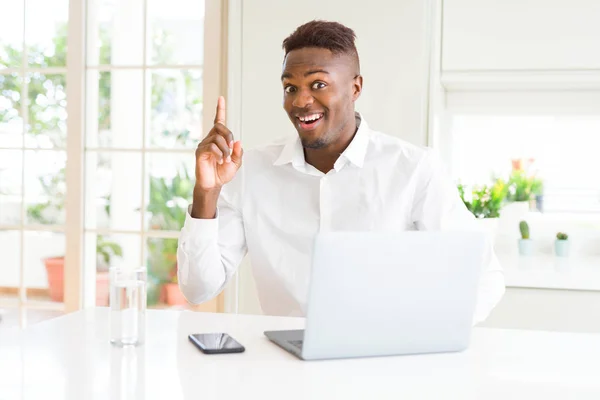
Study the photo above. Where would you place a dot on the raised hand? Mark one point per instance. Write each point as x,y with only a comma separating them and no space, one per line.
218,156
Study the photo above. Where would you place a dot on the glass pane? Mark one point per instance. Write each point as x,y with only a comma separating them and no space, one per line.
539,147
162,272
45,187
11,34
47,104
11,166
46,32
114,108
44,264
11,121
176,29
105,251
171,183
113,190
176,108
10,248
115,32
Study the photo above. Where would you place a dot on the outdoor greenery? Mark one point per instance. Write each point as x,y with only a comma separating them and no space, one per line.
168,196
46,94
168,207
485,201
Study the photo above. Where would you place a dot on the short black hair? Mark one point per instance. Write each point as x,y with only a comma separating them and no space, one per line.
337,38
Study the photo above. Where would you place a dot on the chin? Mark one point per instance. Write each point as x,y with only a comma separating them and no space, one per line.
314,144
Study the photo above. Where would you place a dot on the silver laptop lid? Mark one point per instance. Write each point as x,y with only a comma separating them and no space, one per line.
377,293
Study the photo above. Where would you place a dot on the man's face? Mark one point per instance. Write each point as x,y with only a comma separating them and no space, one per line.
320,89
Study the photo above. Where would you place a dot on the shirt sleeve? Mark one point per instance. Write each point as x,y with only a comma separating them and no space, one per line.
438,206
210,250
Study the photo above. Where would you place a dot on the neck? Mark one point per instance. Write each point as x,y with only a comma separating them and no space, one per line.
324,158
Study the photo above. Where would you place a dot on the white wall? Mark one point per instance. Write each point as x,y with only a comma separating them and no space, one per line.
393,48
391,44
501,35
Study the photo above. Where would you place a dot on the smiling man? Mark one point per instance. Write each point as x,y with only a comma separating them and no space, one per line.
335,174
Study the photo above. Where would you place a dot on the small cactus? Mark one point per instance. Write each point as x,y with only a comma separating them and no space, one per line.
562,236
524,228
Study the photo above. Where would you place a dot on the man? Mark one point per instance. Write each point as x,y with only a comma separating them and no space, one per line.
335,174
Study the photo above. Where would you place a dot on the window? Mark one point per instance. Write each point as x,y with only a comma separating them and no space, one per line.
552,136
562,151
143,103
144,117
33,134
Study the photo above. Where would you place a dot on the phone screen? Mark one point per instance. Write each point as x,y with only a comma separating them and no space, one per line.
216,342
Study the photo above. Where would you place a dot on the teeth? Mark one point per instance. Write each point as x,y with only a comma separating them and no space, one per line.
310,118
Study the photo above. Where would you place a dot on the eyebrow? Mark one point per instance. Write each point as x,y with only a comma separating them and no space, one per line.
307,73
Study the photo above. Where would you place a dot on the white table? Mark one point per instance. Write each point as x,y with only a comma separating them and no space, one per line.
70,358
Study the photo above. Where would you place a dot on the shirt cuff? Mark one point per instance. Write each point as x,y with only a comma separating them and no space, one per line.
201,228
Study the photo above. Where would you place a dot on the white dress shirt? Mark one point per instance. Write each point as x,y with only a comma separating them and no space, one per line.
277,202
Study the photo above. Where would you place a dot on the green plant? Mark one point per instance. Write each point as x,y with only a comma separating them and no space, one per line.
107,250
168,205
524,228
562,236
485,201
519,186
537,186
54,191
168,200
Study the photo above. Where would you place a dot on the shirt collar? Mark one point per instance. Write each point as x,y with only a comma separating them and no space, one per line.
355,153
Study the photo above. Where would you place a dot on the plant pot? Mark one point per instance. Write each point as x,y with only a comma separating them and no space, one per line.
526,247
55,269
561,248
173,295
539,202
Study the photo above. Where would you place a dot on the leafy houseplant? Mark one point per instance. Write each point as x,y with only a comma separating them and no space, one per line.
519,186
105,251
47,212
525,243
561,245
485,201
537,188
168,206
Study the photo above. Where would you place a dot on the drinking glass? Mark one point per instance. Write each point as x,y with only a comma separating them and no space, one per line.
127,306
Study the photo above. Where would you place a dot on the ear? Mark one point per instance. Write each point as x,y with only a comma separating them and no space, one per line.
357,84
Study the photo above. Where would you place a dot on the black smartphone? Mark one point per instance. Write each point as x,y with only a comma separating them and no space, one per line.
216,343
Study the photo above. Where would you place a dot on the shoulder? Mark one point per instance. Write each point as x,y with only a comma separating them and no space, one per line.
266,154
406,154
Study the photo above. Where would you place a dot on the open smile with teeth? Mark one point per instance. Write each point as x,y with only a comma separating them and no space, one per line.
310,121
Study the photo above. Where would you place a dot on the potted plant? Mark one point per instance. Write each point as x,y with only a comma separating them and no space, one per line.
561,245
105,251
168,208
55,269
485,203
520,191
537,189
525,243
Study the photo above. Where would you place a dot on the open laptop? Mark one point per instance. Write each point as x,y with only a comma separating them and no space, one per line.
379,294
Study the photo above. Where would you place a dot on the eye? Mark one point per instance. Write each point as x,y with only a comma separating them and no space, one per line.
289,89
318,85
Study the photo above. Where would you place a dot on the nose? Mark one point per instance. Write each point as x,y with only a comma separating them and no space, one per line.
303,99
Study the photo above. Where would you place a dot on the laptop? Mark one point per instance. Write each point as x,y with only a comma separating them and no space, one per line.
384,293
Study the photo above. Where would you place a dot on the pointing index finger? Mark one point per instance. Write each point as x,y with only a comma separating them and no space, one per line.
220,115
